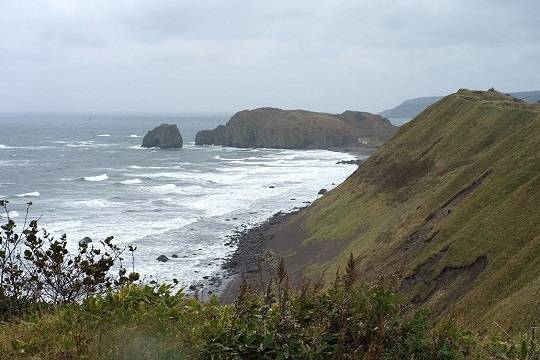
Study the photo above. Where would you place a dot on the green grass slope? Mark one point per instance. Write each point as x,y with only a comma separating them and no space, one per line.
452,202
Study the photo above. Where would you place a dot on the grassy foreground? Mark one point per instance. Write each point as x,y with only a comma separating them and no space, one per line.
268,321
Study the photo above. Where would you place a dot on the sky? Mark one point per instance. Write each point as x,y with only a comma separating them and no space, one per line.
223,56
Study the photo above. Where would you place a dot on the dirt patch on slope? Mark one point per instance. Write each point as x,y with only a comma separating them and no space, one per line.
445,289
427,231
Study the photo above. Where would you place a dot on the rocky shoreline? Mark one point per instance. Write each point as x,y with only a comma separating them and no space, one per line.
252,255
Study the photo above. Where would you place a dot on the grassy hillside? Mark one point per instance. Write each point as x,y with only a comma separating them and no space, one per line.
451,202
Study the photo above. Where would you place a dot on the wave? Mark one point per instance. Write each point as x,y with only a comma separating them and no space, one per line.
131,182
137,167
86,144
36,147
96,178
11,214
30,194
134,136
94,203
165,189
104,135
14,162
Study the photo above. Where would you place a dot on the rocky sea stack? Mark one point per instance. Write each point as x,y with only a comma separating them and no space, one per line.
298,129
165,136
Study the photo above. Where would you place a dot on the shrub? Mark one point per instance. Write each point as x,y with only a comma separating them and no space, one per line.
37,270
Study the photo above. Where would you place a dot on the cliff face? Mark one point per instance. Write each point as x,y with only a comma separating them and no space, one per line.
297,129
452,201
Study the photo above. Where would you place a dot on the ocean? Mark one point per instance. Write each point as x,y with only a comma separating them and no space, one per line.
87,176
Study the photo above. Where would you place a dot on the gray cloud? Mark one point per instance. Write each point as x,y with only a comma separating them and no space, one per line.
170,56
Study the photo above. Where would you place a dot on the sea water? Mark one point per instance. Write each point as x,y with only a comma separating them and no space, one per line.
86,175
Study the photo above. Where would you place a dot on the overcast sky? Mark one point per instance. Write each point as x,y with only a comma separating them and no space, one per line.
222,56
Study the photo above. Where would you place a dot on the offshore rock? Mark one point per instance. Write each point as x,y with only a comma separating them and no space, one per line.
165,136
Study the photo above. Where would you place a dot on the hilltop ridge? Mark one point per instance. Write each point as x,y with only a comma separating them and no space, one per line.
412,107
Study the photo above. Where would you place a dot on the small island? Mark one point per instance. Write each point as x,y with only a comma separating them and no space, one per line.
299,129
165,136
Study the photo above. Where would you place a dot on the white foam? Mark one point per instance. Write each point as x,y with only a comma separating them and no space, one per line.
131,181
134,136
136,167
37,147
30,194
94,203
104,135
164,189
11,214
96,178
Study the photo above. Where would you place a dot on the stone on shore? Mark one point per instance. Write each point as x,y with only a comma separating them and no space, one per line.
85,241
162,258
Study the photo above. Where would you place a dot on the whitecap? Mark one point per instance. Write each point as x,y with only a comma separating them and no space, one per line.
96,178
11,214
30,194
137,167
94,203
131,181
134,136
165,189
104,135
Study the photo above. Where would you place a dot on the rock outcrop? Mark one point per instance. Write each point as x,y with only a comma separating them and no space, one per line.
298,129
165,136
211,137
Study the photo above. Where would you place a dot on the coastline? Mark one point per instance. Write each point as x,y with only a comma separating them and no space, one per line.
253,255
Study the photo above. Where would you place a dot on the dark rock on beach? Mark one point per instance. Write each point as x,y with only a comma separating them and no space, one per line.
162,258
85,241
322,191
165,136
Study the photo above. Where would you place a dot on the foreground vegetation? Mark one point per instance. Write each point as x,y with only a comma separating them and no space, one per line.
143,322
83,305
